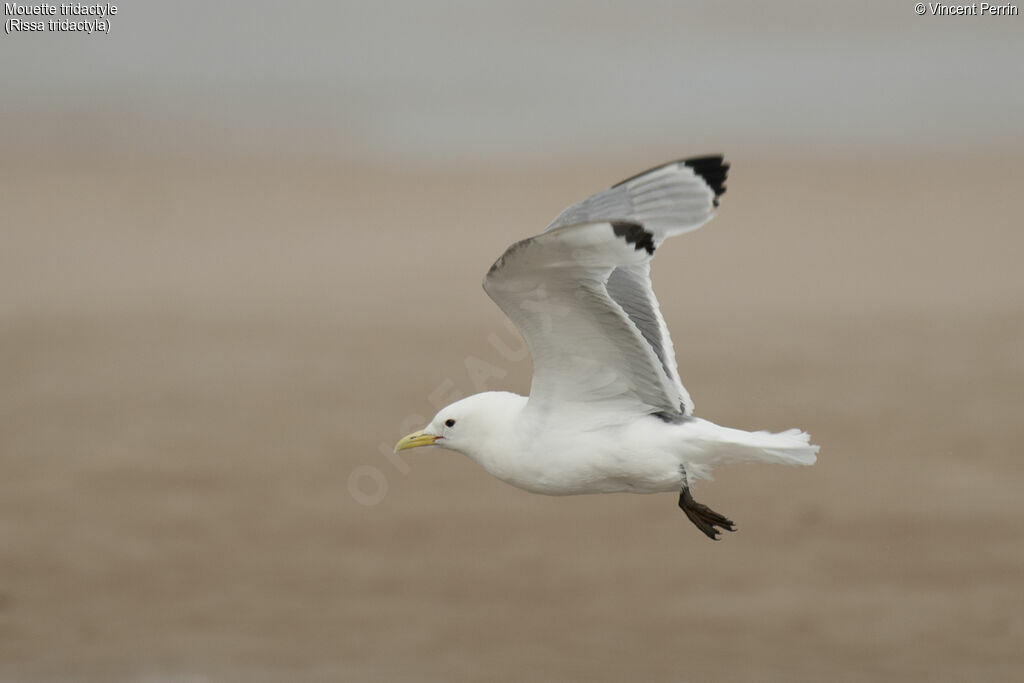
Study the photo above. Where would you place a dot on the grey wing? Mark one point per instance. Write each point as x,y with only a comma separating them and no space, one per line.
585,347
630,287
667,200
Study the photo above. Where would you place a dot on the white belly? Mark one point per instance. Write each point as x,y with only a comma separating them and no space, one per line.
641,457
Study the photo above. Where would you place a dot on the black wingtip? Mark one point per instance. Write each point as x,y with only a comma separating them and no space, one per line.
634,234
713,169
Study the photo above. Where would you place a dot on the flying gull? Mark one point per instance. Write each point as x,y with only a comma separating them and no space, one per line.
607,411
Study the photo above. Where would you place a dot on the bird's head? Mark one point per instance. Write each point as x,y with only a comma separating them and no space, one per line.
469,424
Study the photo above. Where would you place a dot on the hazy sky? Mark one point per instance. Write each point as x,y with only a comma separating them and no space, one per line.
449,81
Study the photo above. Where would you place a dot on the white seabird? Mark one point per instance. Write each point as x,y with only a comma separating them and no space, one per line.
607,411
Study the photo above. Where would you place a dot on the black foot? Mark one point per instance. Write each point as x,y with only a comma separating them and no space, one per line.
703,517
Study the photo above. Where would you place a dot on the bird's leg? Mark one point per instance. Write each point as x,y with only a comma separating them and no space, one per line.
703,517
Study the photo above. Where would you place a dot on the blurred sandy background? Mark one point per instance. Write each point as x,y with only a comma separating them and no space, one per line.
241,250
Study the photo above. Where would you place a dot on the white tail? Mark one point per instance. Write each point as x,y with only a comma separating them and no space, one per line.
791,447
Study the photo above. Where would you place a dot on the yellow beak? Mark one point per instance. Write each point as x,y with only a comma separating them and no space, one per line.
415,440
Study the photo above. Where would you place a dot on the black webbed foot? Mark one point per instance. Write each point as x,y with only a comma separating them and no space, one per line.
703,517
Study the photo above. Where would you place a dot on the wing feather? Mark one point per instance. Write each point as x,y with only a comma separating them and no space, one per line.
585,347
668,200
580,292
630,287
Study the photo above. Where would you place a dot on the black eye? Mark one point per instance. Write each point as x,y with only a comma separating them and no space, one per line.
449,423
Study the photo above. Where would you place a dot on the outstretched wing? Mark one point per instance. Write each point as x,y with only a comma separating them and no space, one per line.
580,292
